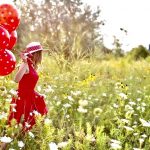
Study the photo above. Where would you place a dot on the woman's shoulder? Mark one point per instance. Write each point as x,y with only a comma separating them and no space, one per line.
23,65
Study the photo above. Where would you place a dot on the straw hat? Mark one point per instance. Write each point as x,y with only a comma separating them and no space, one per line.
33,47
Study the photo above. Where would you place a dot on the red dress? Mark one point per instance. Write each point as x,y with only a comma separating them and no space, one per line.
28,103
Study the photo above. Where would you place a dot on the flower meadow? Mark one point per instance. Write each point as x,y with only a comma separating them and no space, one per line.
95,105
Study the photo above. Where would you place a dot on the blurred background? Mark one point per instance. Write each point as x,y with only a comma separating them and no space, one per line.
78,29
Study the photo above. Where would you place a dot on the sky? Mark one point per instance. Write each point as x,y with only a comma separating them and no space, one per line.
131,15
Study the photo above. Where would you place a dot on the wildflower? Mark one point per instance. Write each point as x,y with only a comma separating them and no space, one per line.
13,110
31,134
134,126
90,137
138,108
39,88
115,141
81,109
117,85
135,134
47,121
36,113
31,114
104,94
141,108
75,93
123,96
70,98
141,140
56,78
145,123
128,128
138,91
96,99
67,105
89,97
128,107
27,125
125,120
97,111
3,93
49,89
129,112
144,136
14,92
55,97
138,99
67,116
3,115
8,99
83,102
20,144
53,146
13,107
115,106
62,144
58,103
43,95
5,139
2,88
115,144
143,104
132,103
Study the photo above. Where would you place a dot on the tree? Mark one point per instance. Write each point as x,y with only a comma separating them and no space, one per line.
117,47
64,26
138,53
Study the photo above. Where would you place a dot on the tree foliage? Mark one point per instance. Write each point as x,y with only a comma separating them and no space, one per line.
64,26
138,53
117,47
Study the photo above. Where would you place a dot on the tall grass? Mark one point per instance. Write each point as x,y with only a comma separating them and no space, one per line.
96,105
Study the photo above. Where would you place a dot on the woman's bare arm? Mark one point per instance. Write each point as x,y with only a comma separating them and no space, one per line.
22,70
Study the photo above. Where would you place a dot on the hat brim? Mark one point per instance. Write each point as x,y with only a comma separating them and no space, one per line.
43,50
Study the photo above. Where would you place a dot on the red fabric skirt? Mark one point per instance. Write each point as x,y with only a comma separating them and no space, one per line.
25,107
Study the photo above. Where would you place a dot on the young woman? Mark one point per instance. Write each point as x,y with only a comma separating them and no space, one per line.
28,103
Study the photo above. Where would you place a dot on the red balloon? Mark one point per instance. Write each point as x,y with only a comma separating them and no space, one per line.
9,17
4,38
7,62
13,39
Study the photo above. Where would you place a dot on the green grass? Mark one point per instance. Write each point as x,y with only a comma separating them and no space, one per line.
93,105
